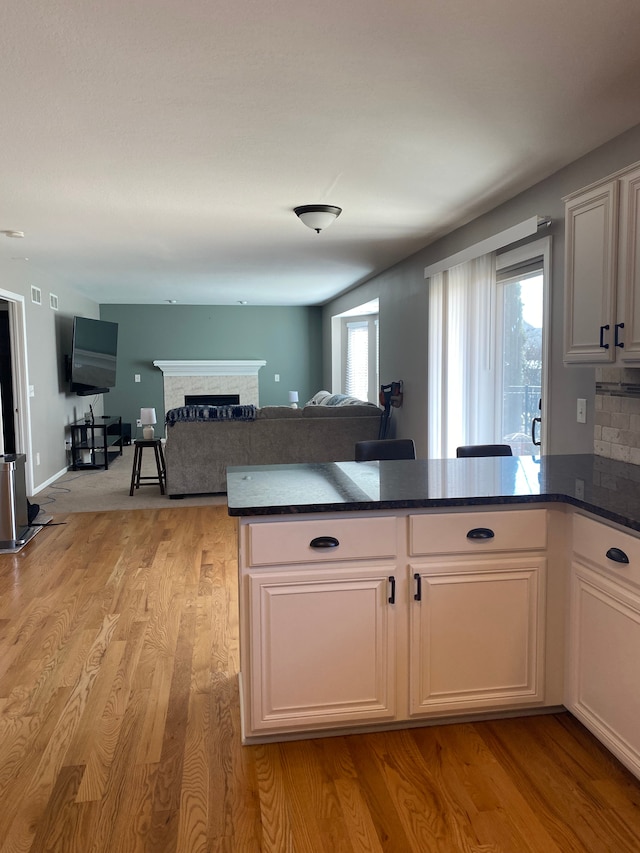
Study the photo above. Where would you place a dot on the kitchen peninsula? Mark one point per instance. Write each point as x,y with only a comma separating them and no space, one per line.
395,593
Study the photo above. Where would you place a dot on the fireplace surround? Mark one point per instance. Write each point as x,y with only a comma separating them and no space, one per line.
185,377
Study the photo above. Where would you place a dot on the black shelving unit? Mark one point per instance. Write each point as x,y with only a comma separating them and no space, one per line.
94,445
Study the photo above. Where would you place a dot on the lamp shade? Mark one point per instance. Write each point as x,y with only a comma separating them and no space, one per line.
317,216
293,396
148,416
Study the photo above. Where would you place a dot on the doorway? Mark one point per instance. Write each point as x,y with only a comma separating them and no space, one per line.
521,340
7,404
488,345
15,425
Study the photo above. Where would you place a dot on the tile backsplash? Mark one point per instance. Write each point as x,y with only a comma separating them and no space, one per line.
617,414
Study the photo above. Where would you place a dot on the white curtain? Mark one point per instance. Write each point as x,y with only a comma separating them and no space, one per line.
461,345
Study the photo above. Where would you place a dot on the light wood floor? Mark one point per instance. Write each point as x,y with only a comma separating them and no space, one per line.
119,725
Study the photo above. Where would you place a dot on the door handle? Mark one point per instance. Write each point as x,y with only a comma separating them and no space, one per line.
602,331
533,431
418,593
617,340
392,596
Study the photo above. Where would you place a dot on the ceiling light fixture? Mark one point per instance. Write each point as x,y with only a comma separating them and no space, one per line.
11,233
317,216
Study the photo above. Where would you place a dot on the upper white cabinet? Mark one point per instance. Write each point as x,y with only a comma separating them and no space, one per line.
602,275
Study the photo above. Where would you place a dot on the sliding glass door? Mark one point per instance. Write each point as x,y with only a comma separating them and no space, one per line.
487,344
519,358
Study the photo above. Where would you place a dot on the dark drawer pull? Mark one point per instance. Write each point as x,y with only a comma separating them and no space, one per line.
392,597
617,555
617,341
602,331
418,594
324,542
481,533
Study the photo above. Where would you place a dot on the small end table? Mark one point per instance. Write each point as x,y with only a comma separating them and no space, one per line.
136,476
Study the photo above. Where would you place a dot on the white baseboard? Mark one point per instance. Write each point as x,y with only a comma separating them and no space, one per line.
51,480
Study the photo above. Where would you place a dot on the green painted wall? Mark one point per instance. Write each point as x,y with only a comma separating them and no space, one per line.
288,339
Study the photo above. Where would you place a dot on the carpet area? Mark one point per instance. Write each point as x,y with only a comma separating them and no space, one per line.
96,490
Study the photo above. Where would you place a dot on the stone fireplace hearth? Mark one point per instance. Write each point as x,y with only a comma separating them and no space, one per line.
186,377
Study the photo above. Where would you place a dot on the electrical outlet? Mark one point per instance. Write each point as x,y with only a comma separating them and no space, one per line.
276,377
138,423
136,377
37,458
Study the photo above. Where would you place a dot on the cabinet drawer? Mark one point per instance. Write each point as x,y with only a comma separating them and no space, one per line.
477,533
275,543
593,540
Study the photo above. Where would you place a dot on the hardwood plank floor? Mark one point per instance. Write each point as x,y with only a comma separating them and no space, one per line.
120,726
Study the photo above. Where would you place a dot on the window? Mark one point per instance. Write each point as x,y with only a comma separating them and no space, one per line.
486,351
355,352
519,353
361,357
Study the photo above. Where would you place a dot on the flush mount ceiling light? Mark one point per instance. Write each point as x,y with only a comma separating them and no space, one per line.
11,233
317,216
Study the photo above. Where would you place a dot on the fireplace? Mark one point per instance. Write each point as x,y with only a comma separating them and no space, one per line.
211,399
187,379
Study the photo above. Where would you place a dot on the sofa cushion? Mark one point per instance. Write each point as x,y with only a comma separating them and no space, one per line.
364,410
278,412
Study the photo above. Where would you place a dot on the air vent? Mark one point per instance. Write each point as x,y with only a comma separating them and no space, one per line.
36,295
53,301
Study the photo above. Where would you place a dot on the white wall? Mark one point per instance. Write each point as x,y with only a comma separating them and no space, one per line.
402,291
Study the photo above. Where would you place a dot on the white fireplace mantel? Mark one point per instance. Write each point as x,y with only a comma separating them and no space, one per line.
187,377
209,368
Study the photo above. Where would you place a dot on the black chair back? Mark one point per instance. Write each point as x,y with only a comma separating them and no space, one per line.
385,448
483,450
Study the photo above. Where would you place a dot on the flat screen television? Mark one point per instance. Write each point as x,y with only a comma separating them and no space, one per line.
94,350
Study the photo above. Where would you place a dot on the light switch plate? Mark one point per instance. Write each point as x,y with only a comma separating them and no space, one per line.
581,413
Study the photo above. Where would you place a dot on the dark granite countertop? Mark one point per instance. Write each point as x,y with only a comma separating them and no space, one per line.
602,486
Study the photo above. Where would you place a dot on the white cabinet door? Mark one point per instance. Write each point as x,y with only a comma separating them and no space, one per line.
323,647
591,236
628,323
477,635
604,662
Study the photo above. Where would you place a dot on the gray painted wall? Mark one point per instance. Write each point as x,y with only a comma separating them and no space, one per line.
403,296
48,338
288,339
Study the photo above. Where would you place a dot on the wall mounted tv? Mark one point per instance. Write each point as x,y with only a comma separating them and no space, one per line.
94,350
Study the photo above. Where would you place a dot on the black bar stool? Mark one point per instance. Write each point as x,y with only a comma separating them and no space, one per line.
136,476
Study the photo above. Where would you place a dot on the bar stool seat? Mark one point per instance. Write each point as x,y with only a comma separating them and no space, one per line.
136,475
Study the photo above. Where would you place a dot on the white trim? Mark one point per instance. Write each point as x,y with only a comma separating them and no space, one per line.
492,244
209,368
48,482
18,332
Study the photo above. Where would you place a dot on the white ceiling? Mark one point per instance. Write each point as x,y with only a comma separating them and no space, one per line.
154,149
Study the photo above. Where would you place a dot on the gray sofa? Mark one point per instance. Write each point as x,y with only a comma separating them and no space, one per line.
197,452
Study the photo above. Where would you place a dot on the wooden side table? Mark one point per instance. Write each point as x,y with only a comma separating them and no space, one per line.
136,476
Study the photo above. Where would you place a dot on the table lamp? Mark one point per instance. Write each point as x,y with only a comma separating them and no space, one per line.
148,418
293,399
